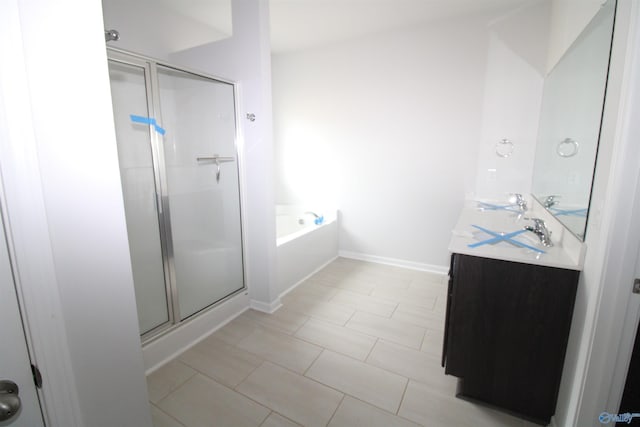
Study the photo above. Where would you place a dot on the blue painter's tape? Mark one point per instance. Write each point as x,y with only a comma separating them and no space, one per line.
159,129
569,212
144,120
148,121
497,237
492,207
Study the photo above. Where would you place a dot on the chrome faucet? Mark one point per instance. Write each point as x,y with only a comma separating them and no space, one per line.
540,229
519,200
550,201
318,219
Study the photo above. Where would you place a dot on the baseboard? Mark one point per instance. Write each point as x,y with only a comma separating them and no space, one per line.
299,282
439,269
264,307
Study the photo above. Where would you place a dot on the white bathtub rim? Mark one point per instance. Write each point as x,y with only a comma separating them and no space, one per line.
292,236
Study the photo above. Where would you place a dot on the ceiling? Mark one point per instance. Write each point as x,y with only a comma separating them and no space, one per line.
295,24
299,24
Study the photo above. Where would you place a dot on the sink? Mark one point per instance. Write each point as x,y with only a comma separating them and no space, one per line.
496,230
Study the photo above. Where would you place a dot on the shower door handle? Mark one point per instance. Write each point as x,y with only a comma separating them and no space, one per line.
217,160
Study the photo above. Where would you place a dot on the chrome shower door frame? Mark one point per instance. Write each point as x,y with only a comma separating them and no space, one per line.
161,182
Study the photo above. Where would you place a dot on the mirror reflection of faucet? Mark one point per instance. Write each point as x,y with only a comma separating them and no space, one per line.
517,204
550,201
518,199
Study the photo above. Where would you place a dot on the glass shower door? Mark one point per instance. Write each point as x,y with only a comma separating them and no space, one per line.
138,172
202,187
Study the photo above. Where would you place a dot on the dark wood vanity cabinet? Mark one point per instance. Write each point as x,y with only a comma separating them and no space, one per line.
506,331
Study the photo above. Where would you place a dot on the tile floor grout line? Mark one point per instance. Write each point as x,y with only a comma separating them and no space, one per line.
404,393
350,317
356,307
280,364
395,310
303,324
249,374
404,346
273,411
304,374
397,373
344,392
384,410
369,365
366,360
265,420
234,389
308,341
309,379
177,386
166,413
424,335
344,395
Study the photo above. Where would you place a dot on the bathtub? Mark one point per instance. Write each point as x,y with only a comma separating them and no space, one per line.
303,247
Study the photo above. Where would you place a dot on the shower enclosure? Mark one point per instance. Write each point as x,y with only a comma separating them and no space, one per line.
176,136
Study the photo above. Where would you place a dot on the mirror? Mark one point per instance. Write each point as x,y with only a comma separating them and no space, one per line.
570,119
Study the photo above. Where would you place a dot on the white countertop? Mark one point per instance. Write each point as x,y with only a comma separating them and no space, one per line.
567,252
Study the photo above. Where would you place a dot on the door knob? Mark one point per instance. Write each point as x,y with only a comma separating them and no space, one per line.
9,400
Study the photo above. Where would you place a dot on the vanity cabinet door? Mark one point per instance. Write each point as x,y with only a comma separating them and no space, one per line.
507,332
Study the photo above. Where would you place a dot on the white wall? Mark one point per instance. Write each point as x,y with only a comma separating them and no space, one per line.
569,17
512,96
82,200
389,128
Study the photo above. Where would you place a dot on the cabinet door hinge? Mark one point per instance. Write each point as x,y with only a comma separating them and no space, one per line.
37,376
636,286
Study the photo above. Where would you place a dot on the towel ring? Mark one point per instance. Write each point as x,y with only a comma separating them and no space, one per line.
567,147
504,148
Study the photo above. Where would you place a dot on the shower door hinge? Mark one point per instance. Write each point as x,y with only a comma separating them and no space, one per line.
37,376
636,286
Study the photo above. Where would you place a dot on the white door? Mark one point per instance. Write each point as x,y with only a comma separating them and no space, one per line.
15,366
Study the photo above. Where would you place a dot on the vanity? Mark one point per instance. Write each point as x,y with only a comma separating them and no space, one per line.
509,310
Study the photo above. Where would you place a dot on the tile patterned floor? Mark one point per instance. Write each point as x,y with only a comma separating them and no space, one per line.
357,344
